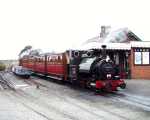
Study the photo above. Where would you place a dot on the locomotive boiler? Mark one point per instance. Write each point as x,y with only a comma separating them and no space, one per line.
89,68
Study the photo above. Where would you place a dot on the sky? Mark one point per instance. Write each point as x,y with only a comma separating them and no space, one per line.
57,25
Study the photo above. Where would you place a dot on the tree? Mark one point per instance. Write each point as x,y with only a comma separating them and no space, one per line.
25,49
2,66
35,52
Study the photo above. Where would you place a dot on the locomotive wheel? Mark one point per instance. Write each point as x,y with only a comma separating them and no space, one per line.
123,86
87,84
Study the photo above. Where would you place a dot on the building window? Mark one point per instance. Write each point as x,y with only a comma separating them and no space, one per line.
141,56
137,58
145,57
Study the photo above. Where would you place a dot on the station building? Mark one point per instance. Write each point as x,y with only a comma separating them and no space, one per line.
129,52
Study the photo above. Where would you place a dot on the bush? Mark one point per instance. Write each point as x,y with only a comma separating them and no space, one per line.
2,66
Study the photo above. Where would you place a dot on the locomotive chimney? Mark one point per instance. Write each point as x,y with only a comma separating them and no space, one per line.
103,51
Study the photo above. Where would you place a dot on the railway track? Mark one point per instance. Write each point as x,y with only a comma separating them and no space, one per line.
7,81
54,99
115,97
138,101
60,107
3,82
126,98
29,99
129,99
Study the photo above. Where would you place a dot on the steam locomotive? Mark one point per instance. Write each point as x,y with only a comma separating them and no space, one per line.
90,68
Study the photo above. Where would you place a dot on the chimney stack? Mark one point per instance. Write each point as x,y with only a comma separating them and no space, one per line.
104,31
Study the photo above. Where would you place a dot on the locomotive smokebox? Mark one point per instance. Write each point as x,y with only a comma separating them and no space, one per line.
103,51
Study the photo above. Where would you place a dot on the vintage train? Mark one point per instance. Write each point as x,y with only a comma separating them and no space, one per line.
89,68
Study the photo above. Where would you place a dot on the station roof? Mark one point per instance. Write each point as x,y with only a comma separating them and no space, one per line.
120,39
143,44
111,46
117,46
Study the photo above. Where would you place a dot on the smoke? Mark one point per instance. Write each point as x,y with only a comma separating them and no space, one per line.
117,36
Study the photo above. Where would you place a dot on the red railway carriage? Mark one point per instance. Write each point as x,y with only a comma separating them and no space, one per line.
39,64
52,65
91,68
56,66
24,62
30,63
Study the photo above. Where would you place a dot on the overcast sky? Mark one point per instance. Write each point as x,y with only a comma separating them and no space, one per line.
61,24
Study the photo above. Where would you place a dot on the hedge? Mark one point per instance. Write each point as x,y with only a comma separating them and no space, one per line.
2,66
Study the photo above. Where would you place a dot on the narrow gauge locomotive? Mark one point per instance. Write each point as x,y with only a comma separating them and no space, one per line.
91,68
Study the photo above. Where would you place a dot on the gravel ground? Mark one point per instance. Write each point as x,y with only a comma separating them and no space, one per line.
40,99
